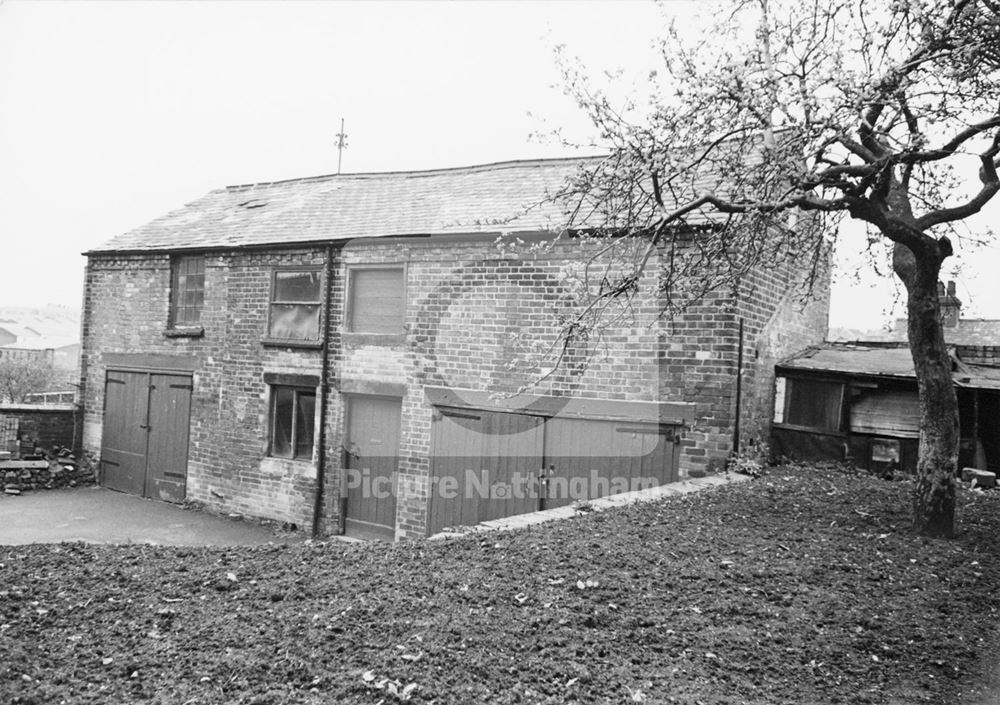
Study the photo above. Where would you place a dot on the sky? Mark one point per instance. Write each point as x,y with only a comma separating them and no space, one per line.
114,113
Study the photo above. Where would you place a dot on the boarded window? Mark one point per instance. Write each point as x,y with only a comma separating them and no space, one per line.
187,290
296,297
375,302
813,404
887,412
293,415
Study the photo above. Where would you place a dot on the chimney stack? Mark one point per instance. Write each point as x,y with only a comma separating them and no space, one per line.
951,306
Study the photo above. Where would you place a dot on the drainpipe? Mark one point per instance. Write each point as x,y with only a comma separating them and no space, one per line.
324,388
739,394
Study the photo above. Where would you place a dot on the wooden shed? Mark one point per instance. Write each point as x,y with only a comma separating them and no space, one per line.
859,403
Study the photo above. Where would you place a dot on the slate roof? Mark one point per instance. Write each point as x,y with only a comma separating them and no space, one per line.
882,362
491,198
504,197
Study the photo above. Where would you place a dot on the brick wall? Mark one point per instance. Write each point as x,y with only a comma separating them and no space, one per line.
47,425
979,354
779,321
477,317
125,312
701,351
483,319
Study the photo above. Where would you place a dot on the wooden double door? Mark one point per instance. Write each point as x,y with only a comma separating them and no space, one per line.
488,465
147,417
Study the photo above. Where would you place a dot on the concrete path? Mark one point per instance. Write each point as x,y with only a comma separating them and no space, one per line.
98,515
598,505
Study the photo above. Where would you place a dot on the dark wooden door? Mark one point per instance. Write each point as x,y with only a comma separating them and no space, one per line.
169,422
145,445
123,451
372,462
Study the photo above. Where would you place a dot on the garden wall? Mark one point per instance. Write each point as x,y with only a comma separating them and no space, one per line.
42,425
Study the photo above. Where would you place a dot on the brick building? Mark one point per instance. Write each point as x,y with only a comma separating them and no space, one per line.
372,353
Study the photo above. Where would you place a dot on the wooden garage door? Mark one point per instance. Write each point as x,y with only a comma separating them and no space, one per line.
372,462
485,465
144,450
587,458
480,459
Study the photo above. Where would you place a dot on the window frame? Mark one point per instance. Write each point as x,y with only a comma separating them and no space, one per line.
272,420
320,302
176,327
378,337
789,394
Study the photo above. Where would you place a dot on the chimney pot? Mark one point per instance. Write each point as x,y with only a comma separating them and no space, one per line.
951,306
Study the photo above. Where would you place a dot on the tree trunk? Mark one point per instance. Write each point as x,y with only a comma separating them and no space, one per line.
934,494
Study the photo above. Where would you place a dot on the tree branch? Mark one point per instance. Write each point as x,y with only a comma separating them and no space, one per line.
990,187
950,147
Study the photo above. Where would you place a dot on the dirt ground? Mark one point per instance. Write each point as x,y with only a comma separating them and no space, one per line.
804,586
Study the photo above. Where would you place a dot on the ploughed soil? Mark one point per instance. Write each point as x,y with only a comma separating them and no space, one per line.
804,586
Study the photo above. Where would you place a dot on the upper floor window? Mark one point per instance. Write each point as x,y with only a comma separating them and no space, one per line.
187,290
296,300
375,300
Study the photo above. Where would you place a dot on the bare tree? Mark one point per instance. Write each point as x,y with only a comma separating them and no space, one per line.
21,376
883,112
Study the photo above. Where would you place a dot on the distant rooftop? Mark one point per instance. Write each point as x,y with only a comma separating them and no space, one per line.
958,331
968,331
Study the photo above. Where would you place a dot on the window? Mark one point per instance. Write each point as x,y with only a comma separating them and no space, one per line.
187,291
375,300
293,414
296,297
813,404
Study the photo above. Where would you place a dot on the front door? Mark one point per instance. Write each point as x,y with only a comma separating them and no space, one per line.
146,422
372,460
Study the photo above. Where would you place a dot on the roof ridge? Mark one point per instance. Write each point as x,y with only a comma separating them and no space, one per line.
473,168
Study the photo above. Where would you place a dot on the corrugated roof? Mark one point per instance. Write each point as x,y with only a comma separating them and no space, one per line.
502,197
883,362
979,377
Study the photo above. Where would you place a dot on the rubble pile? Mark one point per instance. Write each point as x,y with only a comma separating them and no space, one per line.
38,469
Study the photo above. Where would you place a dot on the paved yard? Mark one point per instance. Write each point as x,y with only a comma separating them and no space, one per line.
98,515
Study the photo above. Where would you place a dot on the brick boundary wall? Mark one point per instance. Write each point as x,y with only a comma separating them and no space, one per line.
46,425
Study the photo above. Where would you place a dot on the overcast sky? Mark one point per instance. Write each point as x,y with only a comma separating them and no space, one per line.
113,113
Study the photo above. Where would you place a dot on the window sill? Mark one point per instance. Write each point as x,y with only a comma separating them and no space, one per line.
302,344
378,339
184,332
288,467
